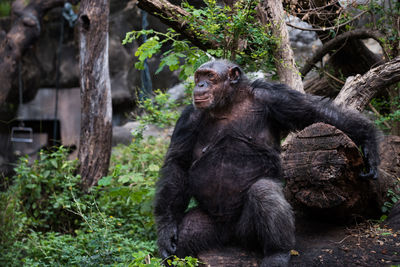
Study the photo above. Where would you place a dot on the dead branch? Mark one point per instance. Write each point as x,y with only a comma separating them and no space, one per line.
340,39
357,92
326,28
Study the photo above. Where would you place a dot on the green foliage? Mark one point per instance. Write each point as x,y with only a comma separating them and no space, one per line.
46,190
389,111
388,205
129,191
160,110
5,8
237,31
113,225
181,56
384,17
12,219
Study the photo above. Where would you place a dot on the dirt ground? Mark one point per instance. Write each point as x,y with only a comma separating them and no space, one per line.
364,244
322,244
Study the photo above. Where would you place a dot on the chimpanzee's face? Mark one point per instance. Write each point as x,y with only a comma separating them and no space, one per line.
209,88
214,85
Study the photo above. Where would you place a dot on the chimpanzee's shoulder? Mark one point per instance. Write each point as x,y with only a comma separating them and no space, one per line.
264,90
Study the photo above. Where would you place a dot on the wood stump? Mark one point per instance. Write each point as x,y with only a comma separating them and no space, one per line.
321,168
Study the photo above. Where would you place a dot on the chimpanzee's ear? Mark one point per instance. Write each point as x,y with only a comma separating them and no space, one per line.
234,74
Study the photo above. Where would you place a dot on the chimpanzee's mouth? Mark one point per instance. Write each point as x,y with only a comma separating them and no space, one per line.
201,99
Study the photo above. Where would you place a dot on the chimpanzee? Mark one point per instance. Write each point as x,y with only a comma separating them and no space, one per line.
224,153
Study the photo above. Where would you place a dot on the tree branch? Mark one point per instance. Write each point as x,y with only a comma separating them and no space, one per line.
357,92
338,40
174,16
328,28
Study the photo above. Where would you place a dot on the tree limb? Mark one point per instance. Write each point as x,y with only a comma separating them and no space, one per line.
328,28
174,16
357,92
340,39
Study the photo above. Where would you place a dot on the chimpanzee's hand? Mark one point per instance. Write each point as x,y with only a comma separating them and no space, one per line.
371,165
167,238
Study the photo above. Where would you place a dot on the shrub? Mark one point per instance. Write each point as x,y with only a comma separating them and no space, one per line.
48,190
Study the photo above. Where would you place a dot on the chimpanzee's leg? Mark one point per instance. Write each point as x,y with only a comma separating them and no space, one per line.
197,232
267,220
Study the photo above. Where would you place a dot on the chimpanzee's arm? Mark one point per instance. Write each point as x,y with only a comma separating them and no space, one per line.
172,195
293,110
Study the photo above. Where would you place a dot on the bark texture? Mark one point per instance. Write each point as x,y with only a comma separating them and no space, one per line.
272,12
24,32
321,168
96,126
358,91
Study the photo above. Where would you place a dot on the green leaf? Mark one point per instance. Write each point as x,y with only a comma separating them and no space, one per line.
105,181
124,178
137,177
386,233
54,163
46,173
154,168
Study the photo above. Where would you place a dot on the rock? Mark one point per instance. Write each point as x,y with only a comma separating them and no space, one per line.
123,134
177,92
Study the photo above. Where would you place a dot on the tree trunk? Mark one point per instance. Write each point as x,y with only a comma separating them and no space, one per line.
96,127
23,33
272,12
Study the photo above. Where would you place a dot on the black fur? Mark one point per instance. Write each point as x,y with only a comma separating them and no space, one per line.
232,168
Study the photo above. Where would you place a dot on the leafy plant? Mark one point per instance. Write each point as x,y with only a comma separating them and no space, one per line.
160,110
394,197
388,112
112,226
46,188
236,29
181,56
